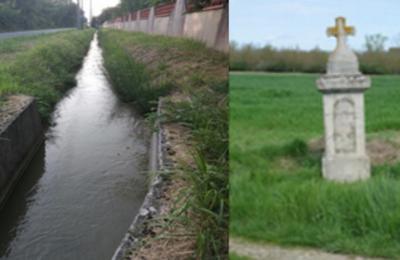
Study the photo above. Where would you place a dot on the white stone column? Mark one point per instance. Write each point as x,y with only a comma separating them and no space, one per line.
343,86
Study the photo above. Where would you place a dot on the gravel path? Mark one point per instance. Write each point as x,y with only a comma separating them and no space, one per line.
273,252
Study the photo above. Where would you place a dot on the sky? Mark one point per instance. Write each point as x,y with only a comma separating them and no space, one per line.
98,6
303,23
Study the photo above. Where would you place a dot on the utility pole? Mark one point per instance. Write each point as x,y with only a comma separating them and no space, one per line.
78,14
91,11
82,16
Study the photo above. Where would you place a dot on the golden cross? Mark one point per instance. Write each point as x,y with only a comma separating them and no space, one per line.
340,29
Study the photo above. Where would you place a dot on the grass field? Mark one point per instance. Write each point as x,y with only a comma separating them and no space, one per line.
276,190
42,66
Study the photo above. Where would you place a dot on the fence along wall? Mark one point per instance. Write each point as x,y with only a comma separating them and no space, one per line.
209,25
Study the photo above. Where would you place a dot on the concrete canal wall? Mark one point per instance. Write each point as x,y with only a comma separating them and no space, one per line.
208,25
21,133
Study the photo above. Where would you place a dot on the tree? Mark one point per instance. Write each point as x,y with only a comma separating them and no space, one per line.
36,14
375,42
396,40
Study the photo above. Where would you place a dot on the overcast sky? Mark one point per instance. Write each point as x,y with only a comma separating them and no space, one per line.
98,6
303,23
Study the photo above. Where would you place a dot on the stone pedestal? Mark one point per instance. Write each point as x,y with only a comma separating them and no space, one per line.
343,87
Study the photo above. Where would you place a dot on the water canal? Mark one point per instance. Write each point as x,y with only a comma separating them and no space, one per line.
85,185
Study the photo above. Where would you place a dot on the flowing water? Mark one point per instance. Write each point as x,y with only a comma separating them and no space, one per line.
81,191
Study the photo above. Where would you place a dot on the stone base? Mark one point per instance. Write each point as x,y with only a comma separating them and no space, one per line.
346,169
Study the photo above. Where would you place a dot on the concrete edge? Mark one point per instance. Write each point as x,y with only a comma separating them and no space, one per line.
150,208
6,193
25,149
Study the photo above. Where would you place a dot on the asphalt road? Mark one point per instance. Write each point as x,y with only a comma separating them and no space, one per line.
8,35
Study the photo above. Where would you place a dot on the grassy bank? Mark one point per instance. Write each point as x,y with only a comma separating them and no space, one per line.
268,58
277,193
130,78
42,66
162,64
194,81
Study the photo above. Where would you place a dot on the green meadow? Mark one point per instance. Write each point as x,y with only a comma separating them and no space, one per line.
277,194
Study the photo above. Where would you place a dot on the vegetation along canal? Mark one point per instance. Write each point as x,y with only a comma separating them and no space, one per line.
88,181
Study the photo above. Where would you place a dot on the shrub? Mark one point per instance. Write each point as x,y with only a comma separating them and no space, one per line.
251,58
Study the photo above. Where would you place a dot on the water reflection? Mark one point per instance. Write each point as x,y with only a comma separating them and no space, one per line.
79,195
14,212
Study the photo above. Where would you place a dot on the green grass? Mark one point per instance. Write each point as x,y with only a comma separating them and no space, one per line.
131,79
206,114
143,78
233,256
277,193
42,66
192,49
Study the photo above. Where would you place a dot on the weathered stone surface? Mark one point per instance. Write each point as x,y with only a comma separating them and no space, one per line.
345,157
342,61
346,83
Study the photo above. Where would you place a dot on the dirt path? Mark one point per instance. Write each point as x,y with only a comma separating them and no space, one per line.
273,252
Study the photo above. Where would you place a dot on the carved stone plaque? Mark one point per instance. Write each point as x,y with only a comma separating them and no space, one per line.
344,126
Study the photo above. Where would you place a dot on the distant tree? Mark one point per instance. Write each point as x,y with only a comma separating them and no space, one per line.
108,14
36,14
375,42
234,45
125,7
396,40
198,4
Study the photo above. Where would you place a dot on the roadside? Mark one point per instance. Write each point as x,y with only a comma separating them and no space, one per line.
8,35
193,218
255,73
258,251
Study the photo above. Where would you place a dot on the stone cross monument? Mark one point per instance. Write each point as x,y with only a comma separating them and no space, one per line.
343,86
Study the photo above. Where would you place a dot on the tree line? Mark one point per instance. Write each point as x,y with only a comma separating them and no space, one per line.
375,59
18,15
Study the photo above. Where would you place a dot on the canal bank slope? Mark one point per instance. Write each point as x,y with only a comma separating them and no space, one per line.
190,192
42,66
